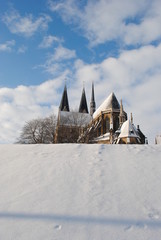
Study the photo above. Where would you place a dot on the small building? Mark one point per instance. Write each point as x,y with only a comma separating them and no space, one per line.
158,139
129,134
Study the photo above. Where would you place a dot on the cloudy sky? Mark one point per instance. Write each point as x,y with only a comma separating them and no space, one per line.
45,43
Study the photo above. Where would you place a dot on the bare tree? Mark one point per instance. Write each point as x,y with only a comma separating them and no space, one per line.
50,128
41,130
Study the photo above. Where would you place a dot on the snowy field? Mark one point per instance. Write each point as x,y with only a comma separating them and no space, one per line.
80,192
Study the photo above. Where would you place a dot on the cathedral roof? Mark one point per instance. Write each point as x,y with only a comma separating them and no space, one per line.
110,102
74,119
83,103
64,105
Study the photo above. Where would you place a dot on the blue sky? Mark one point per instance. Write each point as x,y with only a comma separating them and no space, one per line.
116,44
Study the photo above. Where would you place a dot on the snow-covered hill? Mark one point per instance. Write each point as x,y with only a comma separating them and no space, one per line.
80,192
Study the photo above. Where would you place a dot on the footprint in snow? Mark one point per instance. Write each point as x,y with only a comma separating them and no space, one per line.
57,227
128,228
137,225
154,214
141,225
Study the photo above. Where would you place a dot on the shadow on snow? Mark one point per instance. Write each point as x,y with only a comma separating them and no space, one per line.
80,219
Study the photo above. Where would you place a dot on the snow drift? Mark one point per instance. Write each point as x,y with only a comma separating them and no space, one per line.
80,192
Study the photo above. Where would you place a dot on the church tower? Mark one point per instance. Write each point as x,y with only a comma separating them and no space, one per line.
64,105
83,103
92,103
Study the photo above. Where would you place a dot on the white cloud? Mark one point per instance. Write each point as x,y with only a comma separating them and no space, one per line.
58,61
48,41
69,10
25,25
24,103
132,22
62,53
149,28
7,46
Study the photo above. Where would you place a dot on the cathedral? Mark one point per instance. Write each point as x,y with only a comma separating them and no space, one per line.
108,124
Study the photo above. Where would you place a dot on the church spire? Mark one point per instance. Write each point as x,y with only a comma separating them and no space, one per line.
64,105
122,116
92,103
131,118
83,103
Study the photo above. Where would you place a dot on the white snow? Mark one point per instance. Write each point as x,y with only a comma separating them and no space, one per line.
103,137
80,192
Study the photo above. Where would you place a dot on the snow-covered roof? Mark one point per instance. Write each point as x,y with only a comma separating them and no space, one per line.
74,118
110,102
103,137
128,130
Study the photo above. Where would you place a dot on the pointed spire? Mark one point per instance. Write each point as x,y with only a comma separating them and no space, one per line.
122,116
141,135
92,103
64,105
121,107
131,118
92,96
83,103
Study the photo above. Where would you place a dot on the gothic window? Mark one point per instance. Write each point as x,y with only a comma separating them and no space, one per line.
116,123
107,124
99,131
